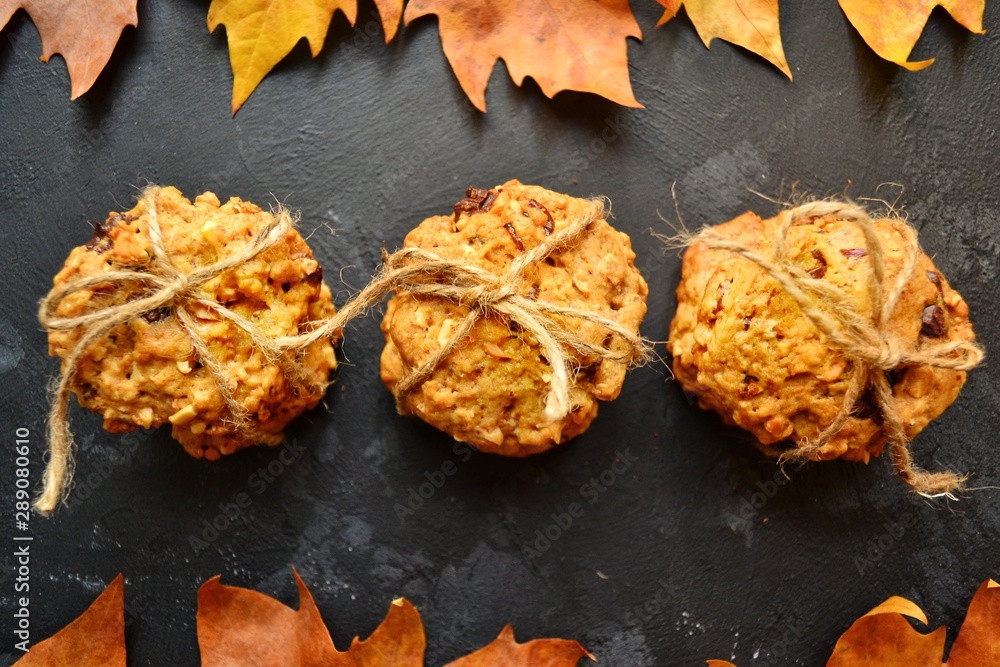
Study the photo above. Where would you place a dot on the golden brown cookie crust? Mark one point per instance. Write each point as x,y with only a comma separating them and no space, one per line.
743,348
491,391
146,373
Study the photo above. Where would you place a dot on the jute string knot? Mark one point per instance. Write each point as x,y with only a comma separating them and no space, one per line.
484,297
410,270
487,294
864,339
165,286
888,357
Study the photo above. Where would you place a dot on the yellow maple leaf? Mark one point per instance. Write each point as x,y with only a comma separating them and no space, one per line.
84,33
752,24
892,27
262,32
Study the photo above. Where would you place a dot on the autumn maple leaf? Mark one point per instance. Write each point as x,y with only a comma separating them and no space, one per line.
504,651
397,642
752,24
561,44
84,33
390,11
95,639
241,627
884,638
262,32
237,626
892,27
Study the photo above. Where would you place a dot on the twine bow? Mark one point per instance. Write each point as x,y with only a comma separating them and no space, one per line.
485,294
863,338
420,272
410,270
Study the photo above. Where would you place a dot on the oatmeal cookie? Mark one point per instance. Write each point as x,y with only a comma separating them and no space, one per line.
742,347
491,390
145,373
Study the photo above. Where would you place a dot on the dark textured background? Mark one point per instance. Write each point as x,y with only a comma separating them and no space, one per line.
669,566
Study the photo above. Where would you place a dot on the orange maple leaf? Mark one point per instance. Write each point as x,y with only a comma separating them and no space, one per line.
83,33
237,626
397,642
262,32
752,24
892,27
95,639
390,11
884,638
562,44
504,651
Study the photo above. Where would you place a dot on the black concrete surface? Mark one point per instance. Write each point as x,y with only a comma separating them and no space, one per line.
691,552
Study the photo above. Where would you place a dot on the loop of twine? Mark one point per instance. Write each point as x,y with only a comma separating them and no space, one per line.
410,270
863,338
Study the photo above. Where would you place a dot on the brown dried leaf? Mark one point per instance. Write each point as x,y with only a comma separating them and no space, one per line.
561,44
390,11
95,639
892,27
504,651
978,642
884,638
752,24
83,33
237,626
397,642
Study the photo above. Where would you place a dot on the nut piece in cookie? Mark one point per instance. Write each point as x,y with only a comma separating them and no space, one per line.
491,391
146,372
744,348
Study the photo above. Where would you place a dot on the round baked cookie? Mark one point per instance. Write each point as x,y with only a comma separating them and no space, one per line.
742,347
490,392
146,372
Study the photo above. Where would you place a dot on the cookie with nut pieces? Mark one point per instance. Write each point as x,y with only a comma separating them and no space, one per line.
742,346
491,390
146,372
